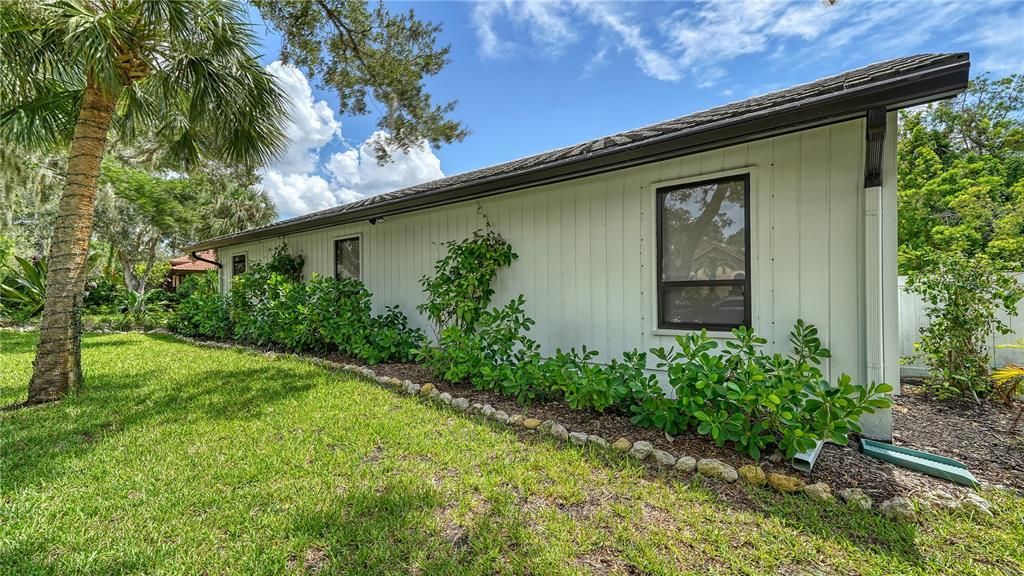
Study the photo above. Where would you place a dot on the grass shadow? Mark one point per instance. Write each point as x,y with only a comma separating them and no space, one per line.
40,442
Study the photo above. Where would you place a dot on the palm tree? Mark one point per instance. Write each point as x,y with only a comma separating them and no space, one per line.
74,73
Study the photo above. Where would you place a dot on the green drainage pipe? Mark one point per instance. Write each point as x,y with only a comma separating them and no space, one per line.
804,461
931,464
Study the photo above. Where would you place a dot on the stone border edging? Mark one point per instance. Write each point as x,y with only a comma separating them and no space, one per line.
899,508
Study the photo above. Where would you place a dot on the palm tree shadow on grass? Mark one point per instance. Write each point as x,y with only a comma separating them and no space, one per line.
40,444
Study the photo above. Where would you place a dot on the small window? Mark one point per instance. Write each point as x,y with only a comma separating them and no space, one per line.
238,264
346,258
704,254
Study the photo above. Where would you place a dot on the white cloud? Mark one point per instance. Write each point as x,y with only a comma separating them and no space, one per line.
356,170
299,183
652,62
701,39
546,22
312,121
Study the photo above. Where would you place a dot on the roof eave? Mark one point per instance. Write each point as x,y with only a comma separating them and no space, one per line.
928,85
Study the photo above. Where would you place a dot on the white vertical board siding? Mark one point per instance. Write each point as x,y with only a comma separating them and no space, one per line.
912,319
587,252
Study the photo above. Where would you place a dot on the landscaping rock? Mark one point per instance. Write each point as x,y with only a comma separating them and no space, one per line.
476,408
445,397
939,499
663,458
488,410
784,483
412,388
686,464
622,445
856,497
641,450
717,469
531,423
974,503
516,419
501,416
899,508
426,389
461,404
752,475
546,425
597,441
819,492
558,431
434,394
578,438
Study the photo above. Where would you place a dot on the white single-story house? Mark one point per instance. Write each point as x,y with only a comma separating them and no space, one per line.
755,213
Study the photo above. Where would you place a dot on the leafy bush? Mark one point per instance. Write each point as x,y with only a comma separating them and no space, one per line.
752,399
495,355
283,263
587,385
202,311
265,307
103,294
963,296
460,290
739,395
23,289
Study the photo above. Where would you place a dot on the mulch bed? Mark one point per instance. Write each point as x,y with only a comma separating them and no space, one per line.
976,435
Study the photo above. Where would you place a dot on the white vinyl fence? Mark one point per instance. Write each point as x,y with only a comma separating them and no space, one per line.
912,317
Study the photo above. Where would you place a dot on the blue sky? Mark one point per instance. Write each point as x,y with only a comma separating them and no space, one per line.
530,76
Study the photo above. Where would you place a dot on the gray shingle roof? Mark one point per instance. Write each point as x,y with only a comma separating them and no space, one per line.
862,80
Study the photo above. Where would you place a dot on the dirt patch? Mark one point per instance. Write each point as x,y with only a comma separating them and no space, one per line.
313,561
977,435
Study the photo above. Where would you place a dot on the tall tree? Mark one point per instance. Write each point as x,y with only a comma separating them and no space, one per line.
961,171
72,72
367,54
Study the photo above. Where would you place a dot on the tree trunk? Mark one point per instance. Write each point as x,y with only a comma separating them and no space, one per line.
57,368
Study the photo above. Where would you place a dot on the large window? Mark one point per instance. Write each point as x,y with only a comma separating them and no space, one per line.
704,254
346,258
238,264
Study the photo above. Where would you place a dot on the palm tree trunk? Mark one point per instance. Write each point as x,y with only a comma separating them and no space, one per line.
57,368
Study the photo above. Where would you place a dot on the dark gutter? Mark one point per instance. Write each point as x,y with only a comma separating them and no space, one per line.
201,259
894,93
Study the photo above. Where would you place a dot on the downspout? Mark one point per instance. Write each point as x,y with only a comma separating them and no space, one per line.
201,259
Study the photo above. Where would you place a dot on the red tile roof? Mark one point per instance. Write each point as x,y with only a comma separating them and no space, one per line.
187,264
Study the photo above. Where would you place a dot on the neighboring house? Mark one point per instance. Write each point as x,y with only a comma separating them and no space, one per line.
792,194
184,266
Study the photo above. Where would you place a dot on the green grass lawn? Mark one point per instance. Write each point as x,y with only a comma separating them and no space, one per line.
177,459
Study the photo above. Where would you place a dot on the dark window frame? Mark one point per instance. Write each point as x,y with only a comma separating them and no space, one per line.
358,238
659,201
234,264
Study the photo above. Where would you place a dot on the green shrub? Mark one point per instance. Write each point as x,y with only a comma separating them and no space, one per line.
587,385
265,307
744,396
103,294
963,296
202,311
460,290
23,288
496,355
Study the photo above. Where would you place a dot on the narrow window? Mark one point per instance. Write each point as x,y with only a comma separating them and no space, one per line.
704,254
238,264
346,258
